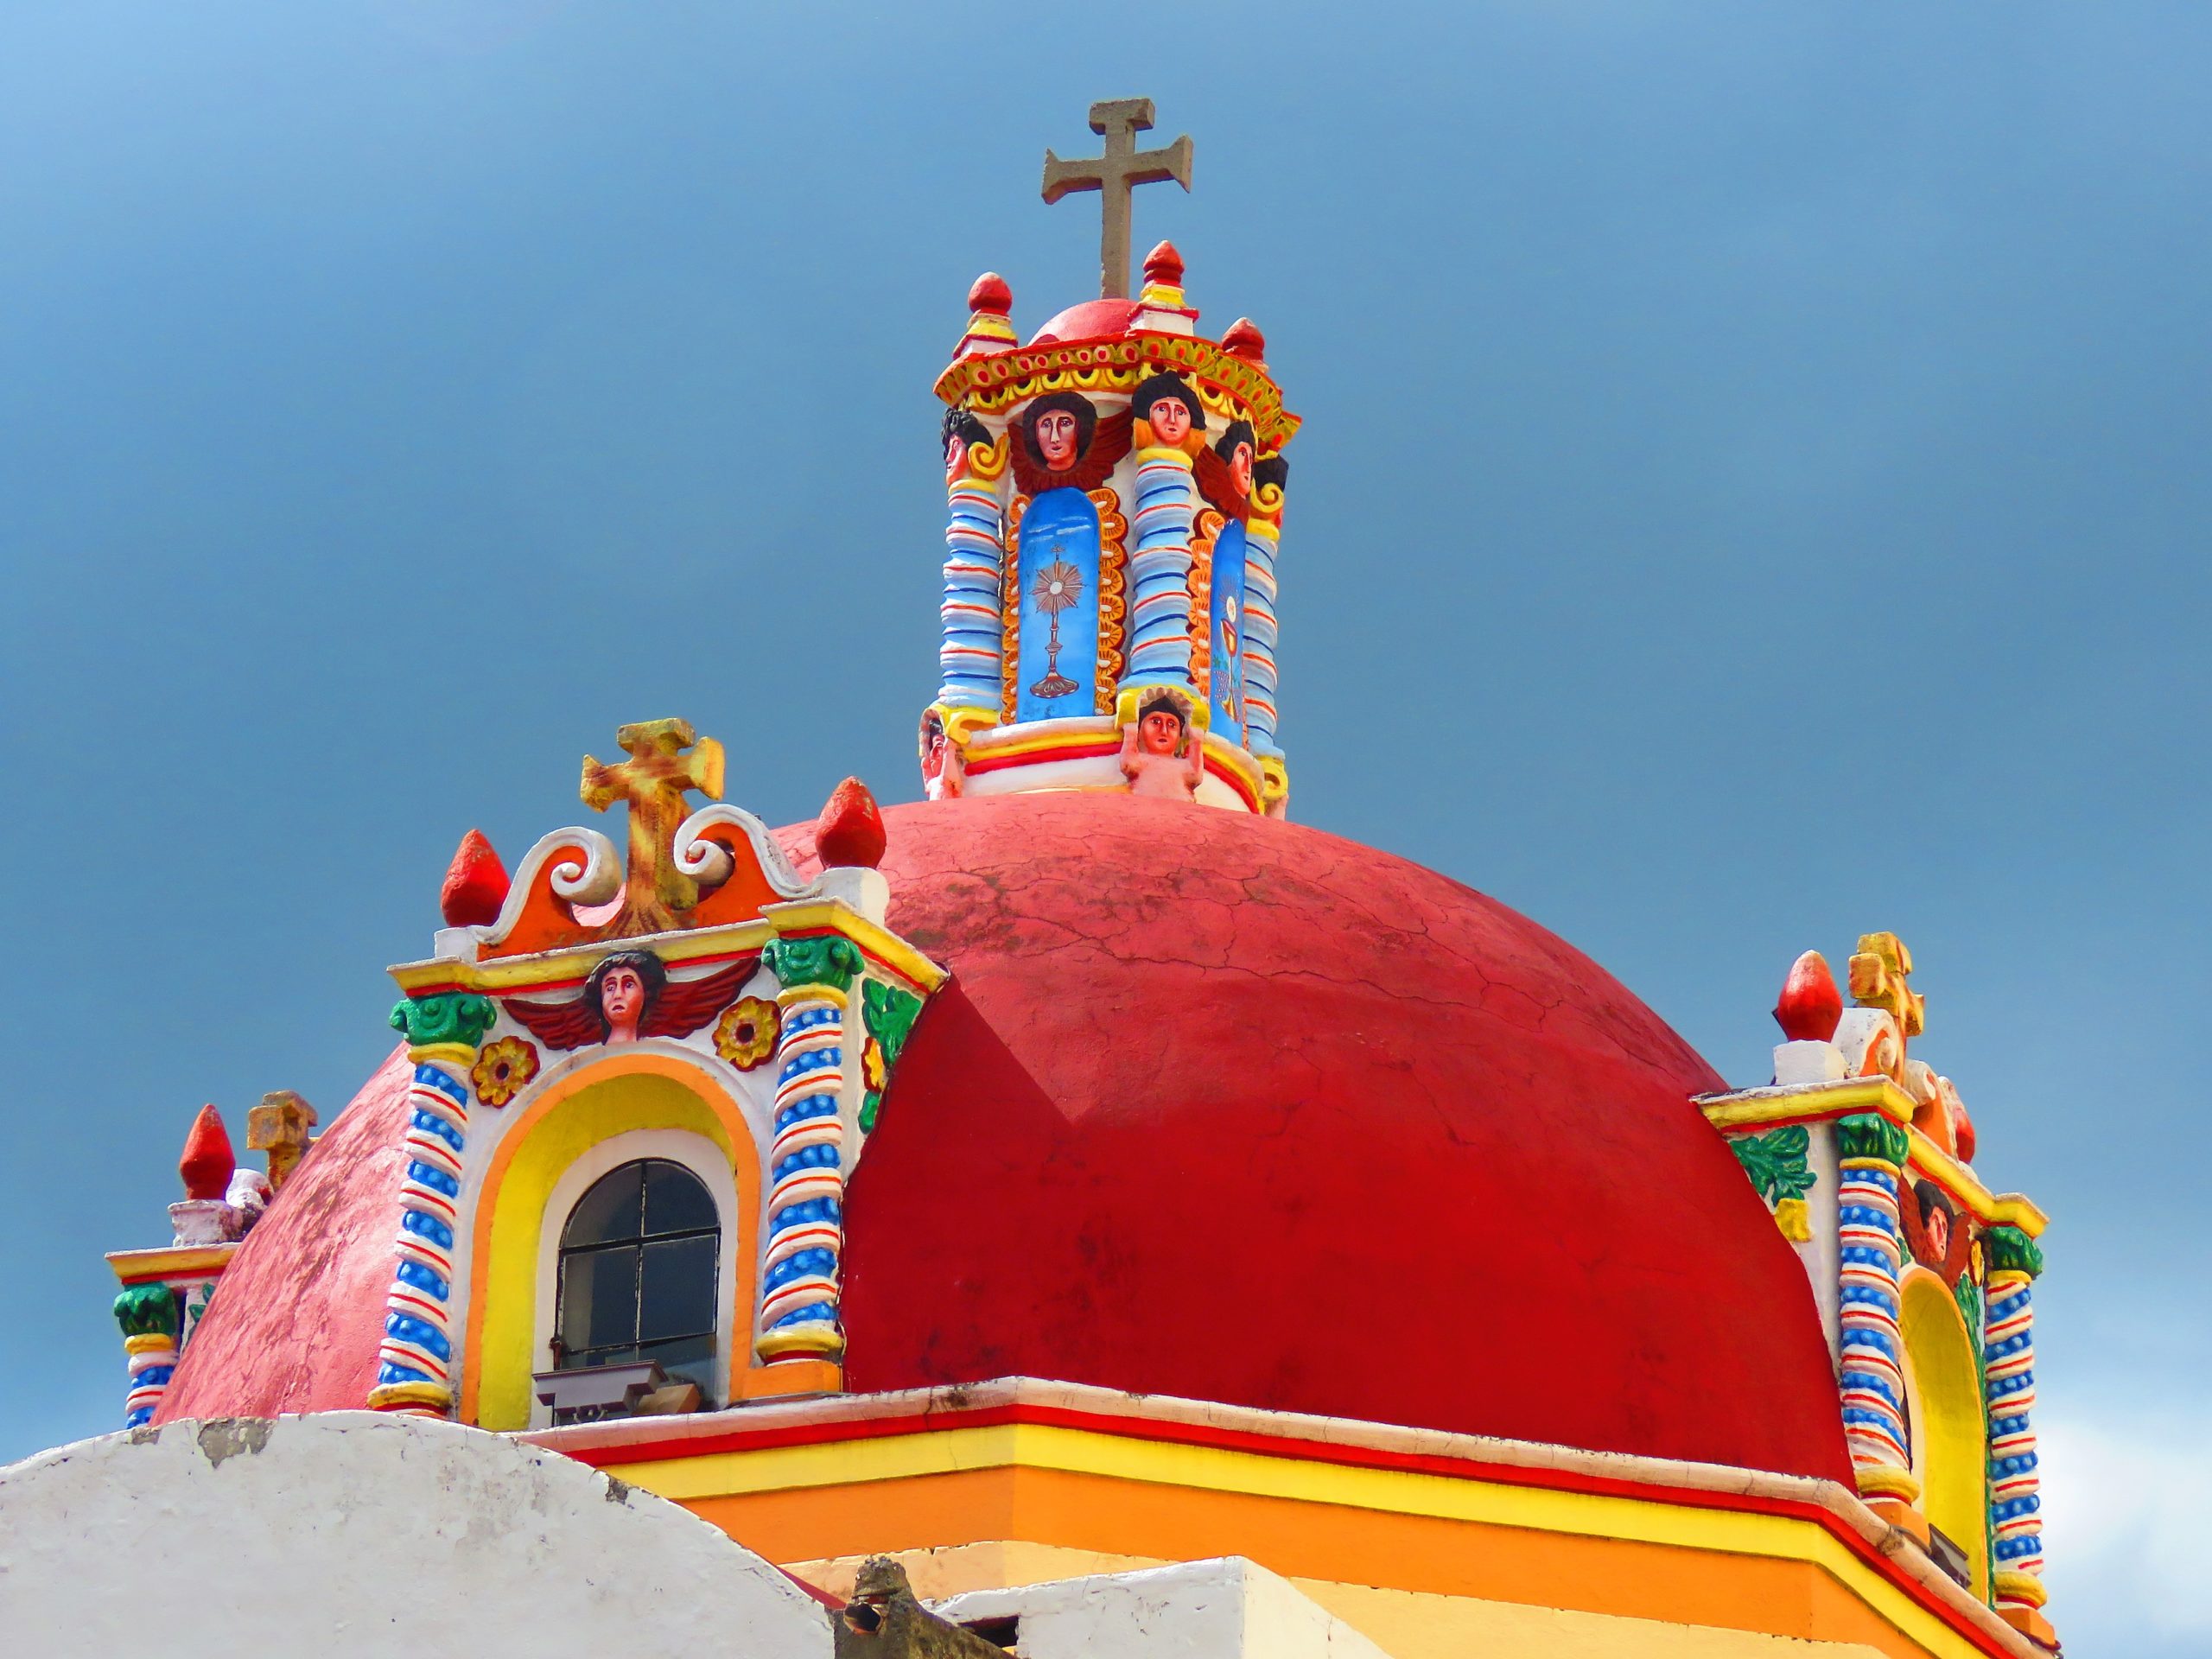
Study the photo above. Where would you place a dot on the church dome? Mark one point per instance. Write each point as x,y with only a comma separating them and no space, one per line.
1226,1107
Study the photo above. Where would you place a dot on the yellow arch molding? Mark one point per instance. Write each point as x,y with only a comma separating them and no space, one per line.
1951,1447
621,1093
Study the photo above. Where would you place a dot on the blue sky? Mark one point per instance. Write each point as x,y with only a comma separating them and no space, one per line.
1754,491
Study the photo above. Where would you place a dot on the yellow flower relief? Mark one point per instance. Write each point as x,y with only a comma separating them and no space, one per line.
504,1070
745,1035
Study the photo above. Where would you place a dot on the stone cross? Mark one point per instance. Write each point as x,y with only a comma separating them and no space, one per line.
1114,175
1879,969
667,761
282,1126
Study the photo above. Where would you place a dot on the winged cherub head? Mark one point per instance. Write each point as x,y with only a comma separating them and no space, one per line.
623,988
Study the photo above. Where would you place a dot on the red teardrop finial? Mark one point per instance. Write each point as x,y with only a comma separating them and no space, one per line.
849,832
476,884
990,293
1244,340
1810,1005
1163,267
208,1161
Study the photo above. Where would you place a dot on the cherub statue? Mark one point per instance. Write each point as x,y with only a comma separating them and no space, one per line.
944,773
1162,753
629,995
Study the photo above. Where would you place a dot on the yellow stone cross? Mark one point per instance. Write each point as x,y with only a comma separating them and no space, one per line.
667,760
1114,175
282,1126
1878,971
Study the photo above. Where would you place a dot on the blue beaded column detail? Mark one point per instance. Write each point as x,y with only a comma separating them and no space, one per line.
1871,1149
807,1158
2015,1502
416,1361
148,1315
1159,571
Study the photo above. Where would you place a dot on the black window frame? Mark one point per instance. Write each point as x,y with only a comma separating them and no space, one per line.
636,1349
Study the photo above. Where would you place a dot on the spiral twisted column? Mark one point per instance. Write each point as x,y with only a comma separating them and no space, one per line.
1262,538
971,659
2009,1354
1160,570
1871,1375
806,1160
416,1361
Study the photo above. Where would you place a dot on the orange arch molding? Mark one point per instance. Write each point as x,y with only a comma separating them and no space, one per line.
612,1096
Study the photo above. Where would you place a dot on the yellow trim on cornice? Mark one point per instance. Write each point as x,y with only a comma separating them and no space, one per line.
810,915
516,973
1991,1208
1208,1468
1748,1107
175,1261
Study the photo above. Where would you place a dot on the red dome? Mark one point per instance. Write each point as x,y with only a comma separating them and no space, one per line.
1225,1108
1091,319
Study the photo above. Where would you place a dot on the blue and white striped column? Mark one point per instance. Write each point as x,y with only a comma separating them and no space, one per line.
1871,1370
417,1360
806,1160
1159,571
971,659
1261,540
2009,1356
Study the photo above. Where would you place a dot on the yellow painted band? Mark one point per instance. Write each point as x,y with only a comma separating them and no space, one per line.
820,915
1882,1480
202,1261
2023,1586
1852,1095
459,1054
1602,1516
791,995
151,1342
436,1396
515,973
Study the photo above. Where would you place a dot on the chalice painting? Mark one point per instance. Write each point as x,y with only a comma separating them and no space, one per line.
1055,587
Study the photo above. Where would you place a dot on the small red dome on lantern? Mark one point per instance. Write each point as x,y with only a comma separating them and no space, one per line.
1244,340
1164,266
989,293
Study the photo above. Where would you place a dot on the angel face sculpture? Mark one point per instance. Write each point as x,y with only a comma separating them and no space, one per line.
628,995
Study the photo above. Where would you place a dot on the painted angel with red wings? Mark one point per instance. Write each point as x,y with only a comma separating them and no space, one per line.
629,995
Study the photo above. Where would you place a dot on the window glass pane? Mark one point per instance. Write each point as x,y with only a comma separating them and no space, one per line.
612,1208
599,1298
686,1359
676,1202
679,1288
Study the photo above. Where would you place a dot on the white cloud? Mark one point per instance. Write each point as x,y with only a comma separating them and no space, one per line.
2127,1527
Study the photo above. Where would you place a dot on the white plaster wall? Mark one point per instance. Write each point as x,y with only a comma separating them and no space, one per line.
1227,1608
355,1535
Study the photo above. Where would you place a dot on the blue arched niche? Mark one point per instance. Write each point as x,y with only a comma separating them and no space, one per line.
1057,667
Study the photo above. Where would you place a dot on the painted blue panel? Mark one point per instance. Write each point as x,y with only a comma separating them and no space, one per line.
1227,688
1059,666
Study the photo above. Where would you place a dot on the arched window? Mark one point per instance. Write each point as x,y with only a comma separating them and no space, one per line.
639,1258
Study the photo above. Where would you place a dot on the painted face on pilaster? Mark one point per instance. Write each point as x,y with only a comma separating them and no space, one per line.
1170,422
1057,435
1240,468
956,458
622,999
1160,733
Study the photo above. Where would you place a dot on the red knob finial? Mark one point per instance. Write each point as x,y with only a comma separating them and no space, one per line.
1163,267
1244,340
475,889
990,293
849,832
208,1161
1810,1005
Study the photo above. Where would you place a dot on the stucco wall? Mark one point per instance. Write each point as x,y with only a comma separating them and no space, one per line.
353,1535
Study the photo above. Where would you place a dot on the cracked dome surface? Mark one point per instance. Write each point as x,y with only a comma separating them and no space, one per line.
1224,1108
1232,1108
